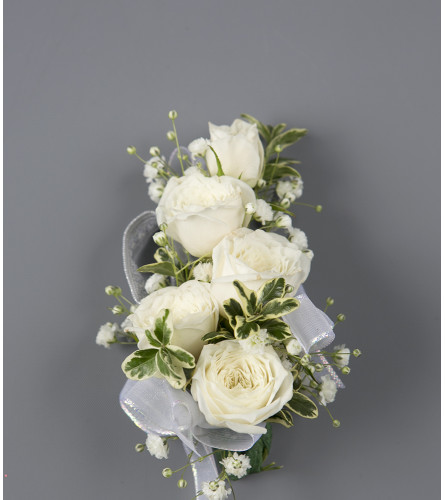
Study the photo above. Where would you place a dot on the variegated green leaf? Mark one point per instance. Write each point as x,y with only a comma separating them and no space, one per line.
303,406
213,337
165,268
232,308
283,417
297,384
243,328
277,130
272,289
277,329
172,373
284,140
275,170
280,307
152,340
248,298
163,330
140,365
181,357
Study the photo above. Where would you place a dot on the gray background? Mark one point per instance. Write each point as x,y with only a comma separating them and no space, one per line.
86,78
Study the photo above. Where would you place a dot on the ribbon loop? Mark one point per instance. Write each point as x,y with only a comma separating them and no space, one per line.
311,326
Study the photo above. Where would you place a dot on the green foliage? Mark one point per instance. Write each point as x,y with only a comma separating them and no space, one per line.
284,140
303,406
140,364
165,268
161,358
283,417
258,310
220,171
273,171
214,337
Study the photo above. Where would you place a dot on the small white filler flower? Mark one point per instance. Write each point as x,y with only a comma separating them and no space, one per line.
203,271
198,147
107,334
157,446
293,347
341,355
256,342
155,282
328,390
236,465
215,490
298,237
263,212
155,191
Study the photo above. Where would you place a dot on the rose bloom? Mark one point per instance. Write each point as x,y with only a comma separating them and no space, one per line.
193,311
254,257
239,390
239,149
199,211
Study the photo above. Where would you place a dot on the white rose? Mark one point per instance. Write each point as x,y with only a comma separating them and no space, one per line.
239,149
254,257
193,311
199,211
238,389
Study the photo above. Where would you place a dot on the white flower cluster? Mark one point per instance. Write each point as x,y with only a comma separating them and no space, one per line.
289,190
154,178
107,334
155,282
215,490
156,445
256,342
236,465
328,390
341,355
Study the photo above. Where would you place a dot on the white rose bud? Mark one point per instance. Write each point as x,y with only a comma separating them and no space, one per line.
239,390
199,211
239,149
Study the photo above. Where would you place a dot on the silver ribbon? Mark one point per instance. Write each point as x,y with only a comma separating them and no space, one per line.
138,248
314,331
156,407
311,326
